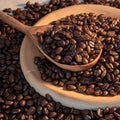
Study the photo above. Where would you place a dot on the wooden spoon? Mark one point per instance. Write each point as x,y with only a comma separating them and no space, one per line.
31,31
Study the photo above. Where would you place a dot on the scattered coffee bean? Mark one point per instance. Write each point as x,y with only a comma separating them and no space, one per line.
11,74
113,3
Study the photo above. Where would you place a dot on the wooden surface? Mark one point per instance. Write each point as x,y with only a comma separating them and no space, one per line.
67,98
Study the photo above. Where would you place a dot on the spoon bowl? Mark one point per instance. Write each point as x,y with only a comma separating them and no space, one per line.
31,34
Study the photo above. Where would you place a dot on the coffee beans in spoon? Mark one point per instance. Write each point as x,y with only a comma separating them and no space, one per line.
70,44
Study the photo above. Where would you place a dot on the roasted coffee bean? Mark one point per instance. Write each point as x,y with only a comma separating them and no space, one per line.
113,53
11,97
11,75
48,97
68,59
1,100
98,92
71,87
78,58
52,114
50,106
1,115
90,91
29,102
57,58
22,102
8,102
100,112
82,88
84,60
44,103
39,110
106,2
59,50
16,111
8,10
31,110
19,97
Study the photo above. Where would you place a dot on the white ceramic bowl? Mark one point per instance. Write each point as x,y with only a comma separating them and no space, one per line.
32,75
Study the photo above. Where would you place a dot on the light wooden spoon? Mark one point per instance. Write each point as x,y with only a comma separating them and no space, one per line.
31,31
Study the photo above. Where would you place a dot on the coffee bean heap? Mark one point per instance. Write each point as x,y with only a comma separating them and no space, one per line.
114,3
18,100
103,79
70,45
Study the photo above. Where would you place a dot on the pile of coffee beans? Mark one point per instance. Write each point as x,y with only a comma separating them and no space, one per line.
18,100
114,3
103,79
70,44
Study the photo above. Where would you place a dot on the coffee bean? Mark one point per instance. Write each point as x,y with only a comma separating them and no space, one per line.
84,60
19,97
99,112
44,103
45,118
109,116
87,117
8,102
11,75
90,91
59,50
98,92
1,100
78,58
8,10
29,102
111,58
52,114
82,88
31,110
92,44
45,111
11,97
16,111
1,115
113,53
105,93
57,58
48,97
60,116
61,43
50,106
67,59
71,87
39,110
22,102
117,114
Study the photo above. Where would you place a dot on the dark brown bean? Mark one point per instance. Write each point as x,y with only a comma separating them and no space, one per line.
16,111
1,115
19,97
31,110
71,87
52,114
11,74
22,102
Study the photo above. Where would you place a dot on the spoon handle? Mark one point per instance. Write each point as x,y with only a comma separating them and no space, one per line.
14,23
